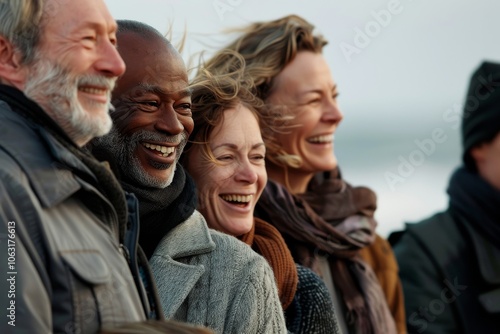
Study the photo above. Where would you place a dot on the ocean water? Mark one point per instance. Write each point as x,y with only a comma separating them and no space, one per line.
407,168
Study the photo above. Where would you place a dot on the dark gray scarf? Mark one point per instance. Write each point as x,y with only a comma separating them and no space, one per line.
161,210
477,201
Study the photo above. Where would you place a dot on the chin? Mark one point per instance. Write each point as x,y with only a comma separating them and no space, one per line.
326,166
241,229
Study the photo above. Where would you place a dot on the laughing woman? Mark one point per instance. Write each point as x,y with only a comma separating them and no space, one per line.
226,157
328,225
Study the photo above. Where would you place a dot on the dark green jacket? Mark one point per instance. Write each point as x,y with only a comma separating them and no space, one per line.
451,277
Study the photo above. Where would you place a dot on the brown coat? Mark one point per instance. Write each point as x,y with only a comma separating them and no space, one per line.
380,257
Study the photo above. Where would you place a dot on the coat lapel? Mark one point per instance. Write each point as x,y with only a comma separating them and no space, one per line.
174,262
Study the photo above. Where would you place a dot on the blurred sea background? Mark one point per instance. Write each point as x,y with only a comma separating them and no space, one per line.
402,68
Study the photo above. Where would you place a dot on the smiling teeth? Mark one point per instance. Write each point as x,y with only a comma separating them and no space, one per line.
95,91
162,149
321,139
237,198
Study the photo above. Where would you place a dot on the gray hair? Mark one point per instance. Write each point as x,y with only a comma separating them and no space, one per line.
20,22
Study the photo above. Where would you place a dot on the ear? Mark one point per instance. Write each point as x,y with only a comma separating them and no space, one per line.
478,152
11,70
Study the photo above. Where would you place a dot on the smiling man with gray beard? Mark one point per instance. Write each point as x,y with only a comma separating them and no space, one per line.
203,277
63,216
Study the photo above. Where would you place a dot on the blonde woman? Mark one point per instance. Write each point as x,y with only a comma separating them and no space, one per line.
327,224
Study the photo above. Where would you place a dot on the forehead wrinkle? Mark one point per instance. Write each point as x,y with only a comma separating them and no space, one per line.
98,26
228,145
160,91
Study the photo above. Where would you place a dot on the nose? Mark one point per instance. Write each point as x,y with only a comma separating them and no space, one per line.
109,62
167,121
332,113
246,173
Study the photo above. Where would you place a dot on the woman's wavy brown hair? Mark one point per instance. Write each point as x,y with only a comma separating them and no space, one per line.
219,86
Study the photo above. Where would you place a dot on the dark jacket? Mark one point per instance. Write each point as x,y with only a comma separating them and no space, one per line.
451,277
311,311
65,266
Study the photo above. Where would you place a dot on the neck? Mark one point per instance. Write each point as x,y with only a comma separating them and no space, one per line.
294,180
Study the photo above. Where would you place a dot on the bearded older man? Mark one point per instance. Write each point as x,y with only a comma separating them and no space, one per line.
63,216
204,277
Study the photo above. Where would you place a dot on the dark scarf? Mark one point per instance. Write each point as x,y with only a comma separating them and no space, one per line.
163,209
336,220
268,242
477,201
101,177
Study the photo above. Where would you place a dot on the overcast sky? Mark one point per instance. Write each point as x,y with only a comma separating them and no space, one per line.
400,66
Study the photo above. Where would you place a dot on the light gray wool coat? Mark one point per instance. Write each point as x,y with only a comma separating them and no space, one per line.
212,279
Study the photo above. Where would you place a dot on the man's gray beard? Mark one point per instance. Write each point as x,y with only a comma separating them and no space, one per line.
55,89
122,148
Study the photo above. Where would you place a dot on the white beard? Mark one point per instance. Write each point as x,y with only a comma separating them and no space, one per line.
55,89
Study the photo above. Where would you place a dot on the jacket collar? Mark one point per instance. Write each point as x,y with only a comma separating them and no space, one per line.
191,237
487,256
49,174
176,279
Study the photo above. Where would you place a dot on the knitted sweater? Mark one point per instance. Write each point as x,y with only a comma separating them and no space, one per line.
311,311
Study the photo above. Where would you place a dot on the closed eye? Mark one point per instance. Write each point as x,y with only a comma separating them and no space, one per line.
89,41
150,103
184,109
113,41
225,158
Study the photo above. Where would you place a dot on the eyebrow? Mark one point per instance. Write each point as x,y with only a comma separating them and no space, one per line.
235,147
319,91
160,91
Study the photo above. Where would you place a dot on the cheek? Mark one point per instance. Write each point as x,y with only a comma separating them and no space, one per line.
307,120
128,120
208,180
262,181
187,123
289,139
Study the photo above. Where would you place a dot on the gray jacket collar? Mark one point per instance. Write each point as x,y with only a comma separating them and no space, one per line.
49,174
191,237
175,278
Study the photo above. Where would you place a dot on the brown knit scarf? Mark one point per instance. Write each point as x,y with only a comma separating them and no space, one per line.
335,220
268,242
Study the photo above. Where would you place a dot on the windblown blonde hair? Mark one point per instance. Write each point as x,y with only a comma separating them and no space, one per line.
267,48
